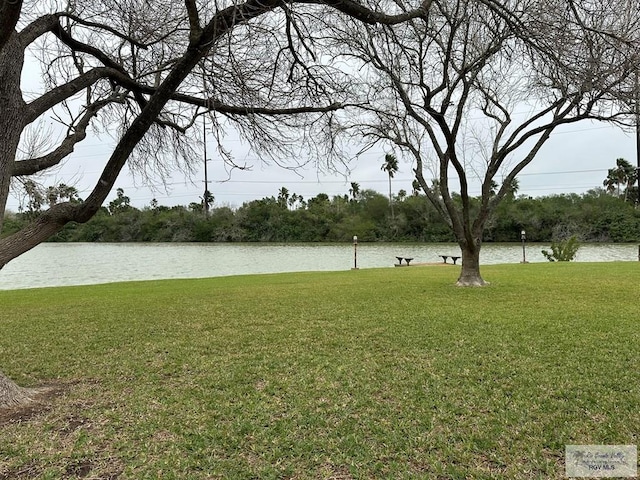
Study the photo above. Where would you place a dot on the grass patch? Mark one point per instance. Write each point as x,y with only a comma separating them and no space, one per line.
386,373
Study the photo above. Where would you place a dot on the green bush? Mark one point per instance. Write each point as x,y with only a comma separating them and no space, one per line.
562,250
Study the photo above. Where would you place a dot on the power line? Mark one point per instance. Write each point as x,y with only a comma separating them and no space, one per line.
328,183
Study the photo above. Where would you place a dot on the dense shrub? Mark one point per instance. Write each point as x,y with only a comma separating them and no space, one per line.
593,217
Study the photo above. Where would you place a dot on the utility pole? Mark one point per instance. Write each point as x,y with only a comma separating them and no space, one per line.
637,112
205,197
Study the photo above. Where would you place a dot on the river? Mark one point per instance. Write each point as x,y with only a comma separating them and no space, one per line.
58,264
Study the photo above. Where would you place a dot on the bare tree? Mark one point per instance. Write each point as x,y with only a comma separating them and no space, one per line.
145,71
474,90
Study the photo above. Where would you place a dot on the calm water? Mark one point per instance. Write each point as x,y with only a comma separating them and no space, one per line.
56,264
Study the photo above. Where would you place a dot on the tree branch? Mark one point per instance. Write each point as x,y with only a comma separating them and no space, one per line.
37,28
195,30
35,165
218,106
58,94
366,15
77,46
102,26
219,25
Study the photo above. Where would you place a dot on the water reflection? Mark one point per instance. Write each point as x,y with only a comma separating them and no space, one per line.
55,264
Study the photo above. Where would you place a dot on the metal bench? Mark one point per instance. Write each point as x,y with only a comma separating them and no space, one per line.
408,260
452,257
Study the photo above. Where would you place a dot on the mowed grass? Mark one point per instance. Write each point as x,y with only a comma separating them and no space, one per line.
385,373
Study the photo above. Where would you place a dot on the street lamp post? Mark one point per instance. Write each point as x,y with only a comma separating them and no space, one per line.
355,252
523,237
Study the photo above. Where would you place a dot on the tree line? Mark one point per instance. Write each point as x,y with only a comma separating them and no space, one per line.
595,216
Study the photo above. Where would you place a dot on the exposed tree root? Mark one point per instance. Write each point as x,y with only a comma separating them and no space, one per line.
472,281
13,396
32,401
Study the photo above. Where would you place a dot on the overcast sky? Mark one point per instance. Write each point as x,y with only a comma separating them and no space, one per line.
575,159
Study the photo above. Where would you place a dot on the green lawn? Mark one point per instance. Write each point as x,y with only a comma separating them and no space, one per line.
385,373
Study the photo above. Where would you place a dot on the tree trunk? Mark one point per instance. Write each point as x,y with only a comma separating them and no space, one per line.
11,120
12,395
470,273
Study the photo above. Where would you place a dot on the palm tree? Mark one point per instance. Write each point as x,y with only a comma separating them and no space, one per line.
283,196
415,186
293,200
514,186
435,187
390,166
207,201
354,190
494,188
610,182
624,174
627,174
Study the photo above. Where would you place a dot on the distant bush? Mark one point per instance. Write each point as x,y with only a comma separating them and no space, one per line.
562,250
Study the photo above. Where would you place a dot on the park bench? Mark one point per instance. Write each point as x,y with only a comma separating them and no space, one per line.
408,260
452,257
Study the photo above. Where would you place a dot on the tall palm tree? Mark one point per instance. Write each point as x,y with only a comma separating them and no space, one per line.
354,190
624,174
207,201
283,196
415,186
494,188
390,166
293,200
514,186
435,187
627,175
610,182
